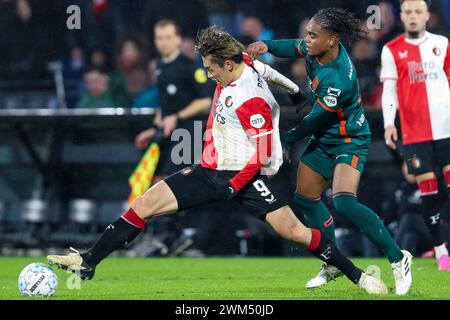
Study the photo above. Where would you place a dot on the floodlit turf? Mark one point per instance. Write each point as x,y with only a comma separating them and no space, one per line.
221,279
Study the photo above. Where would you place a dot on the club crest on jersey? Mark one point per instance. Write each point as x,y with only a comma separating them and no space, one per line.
257,121
228,101
334,92
330,101
437,51
403,55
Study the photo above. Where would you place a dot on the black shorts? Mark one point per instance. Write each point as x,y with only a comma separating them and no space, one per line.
195,185
424,156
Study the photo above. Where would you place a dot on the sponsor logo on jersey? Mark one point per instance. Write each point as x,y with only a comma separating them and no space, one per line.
333,92
330,101
228,101
437,51
361,120
257,121
422,71
403,55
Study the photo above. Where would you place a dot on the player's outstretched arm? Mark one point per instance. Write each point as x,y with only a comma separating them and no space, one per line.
275,78
286,48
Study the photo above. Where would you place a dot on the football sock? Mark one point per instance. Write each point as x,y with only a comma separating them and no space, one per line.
316,215
368,223
115,237
322,247
430,209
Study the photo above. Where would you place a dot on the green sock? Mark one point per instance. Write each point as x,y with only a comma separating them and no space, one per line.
369,224
316,215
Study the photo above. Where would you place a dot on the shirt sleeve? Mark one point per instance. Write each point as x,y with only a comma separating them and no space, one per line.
288,48
388,66
389,102
275,78
255,116
447,63
327,106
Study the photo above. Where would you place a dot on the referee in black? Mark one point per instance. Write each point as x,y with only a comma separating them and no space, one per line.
184,97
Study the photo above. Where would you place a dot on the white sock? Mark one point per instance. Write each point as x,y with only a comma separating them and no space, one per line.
440,251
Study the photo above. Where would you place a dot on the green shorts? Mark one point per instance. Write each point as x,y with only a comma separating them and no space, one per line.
323,158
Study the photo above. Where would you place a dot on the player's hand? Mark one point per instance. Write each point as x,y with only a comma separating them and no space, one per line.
391,136
299,100
170,123
143,139
255,49
289,140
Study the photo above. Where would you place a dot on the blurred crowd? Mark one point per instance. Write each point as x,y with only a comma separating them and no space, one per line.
111,60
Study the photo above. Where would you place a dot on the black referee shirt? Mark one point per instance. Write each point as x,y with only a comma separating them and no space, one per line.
180,81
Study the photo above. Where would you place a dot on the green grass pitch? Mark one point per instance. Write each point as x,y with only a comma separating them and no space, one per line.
221,279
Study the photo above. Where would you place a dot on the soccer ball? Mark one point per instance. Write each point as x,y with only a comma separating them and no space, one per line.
38,280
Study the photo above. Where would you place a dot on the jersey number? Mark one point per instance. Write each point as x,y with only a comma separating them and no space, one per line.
264,191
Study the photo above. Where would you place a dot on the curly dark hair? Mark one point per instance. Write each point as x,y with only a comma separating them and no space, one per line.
341,22
220,45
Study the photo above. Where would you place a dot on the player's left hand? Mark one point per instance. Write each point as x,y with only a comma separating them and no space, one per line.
299,100
255,49
170,123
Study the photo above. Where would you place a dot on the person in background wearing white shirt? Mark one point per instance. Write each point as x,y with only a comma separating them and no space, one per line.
415,74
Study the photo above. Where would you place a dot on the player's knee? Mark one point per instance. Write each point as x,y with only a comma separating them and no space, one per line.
344,203
304,202
307,192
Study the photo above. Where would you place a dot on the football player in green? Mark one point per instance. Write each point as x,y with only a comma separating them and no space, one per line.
338,147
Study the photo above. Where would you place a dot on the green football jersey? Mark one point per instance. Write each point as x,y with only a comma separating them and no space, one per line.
337,115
